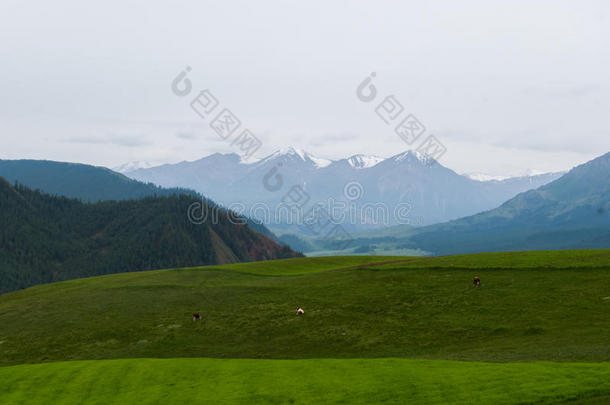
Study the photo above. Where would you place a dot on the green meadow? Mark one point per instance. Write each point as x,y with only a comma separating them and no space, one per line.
357,381
375,330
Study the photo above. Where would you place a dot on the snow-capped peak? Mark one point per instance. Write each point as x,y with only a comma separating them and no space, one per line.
363,161
131,166
320,162
298,154
410,154
293,151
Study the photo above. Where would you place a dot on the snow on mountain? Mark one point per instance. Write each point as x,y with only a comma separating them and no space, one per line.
364,161
296,154
320,162
410,155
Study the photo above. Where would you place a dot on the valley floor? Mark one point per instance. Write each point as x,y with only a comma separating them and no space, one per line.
375,330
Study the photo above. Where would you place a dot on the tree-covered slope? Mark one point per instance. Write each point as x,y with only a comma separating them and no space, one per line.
91,183
47,238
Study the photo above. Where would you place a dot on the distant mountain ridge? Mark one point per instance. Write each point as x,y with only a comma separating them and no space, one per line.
434,192
570,212
76,180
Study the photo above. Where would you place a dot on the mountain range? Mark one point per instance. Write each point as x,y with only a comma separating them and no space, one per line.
114,223
373,188
570,212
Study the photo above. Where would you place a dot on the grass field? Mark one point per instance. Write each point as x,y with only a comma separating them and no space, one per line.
375,328
354,381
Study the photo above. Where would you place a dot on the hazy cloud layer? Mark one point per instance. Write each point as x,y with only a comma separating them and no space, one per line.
506,86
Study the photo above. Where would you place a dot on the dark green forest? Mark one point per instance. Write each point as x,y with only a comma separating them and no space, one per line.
46,238
91,183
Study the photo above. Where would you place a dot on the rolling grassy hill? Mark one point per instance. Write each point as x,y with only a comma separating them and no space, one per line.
375,329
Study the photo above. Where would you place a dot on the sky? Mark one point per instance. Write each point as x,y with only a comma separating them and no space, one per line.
508,87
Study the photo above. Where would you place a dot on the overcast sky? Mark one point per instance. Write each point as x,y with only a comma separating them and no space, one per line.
506,86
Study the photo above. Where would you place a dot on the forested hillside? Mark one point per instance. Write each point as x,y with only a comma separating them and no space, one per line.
91,183
46,238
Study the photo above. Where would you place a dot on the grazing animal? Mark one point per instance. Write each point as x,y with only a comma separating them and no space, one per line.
196,316
300,311
476,282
